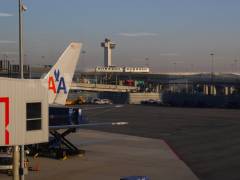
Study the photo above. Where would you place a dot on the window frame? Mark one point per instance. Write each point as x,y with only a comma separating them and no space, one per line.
34,119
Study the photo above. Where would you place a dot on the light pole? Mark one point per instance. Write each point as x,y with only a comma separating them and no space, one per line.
17,170
21,9
232,67
192,68
212,64
236,65
175,67
83,59
147,62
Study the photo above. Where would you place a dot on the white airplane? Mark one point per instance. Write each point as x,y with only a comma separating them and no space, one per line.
59,82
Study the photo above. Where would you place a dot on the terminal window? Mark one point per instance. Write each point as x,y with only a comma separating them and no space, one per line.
34,116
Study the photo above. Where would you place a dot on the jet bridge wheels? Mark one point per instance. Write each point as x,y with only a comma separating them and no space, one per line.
58,146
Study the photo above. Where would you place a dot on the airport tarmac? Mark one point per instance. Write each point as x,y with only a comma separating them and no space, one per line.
207,140
111,156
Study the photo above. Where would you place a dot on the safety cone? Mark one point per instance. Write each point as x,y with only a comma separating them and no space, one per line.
36,166
26,166
65,157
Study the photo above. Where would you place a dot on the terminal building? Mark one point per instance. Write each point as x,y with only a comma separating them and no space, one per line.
131,85
124,84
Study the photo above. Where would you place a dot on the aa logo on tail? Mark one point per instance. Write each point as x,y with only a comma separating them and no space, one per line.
56,83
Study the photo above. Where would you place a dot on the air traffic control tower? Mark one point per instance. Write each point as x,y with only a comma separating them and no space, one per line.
108,45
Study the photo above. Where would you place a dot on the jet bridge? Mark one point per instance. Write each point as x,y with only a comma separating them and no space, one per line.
23,112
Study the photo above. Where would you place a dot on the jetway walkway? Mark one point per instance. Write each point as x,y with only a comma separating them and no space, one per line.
102,87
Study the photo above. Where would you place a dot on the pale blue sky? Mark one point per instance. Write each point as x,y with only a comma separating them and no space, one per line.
165,31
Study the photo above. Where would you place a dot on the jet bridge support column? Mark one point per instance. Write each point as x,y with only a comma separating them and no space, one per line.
231,90
226,90
213,90
205,89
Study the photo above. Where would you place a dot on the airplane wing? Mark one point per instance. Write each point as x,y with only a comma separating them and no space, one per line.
88,125
64,117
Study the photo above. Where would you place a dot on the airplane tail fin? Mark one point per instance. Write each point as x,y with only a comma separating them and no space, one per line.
60,76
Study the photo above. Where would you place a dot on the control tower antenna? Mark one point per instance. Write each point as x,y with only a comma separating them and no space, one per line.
108,45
